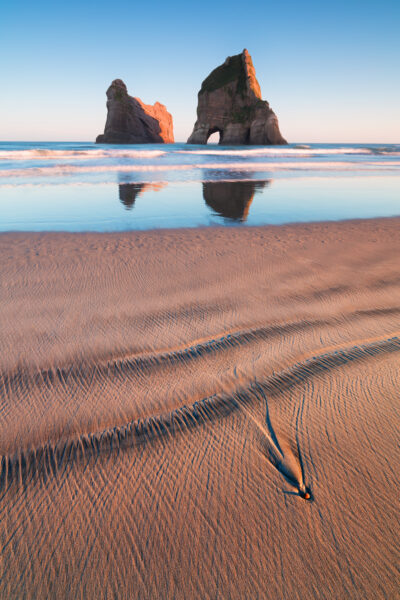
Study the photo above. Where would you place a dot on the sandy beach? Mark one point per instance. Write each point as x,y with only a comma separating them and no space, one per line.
166,395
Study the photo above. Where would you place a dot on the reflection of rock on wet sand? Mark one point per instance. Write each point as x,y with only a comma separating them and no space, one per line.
231,199
128,192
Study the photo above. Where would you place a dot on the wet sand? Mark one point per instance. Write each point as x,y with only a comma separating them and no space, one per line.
167,397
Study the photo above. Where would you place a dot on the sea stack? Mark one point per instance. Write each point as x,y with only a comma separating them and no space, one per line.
229,102
130,121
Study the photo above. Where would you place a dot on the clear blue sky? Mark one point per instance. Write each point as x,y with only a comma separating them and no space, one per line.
330,70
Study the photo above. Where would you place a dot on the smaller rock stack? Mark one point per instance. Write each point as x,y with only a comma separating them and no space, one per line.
130,121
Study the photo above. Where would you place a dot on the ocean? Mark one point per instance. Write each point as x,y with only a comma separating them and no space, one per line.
79,186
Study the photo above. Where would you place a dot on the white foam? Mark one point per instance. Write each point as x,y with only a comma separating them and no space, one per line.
56,170
43,154
281,151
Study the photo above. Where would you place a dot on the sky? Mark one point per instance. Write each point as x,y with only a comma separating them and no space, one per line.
330,70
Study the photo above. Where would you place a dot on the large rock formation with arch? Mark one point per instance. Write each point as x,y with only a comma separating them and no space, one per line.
130,121
229,102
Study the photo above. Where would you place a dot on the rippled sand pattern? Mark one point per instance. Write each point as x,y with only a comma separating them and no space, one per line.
167,398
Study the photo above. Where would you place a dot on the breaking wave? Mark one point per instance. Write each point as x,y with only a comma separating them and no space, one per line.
301,150
271,151
39,162
230,166
282,151
45,154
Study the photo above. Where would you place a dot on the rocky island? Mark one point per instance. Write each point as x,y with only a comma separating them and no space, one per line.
229,102
130,121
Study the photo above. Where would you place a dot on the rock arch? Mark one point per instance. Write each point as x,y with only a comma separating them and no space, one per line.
213,130
230,101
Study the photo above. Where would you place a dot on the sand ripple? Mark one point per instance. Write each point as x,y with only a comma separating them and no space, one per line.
166,396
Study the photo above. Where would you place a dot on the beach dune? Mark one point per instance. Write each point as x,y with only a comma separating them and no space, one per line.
167,398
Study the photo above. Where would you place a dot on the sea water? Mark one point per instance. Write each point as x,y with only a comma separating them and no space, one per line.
80,186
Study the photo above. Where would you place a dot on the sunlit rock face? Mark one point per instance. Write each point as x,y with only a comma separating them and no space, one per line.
229,102
130,121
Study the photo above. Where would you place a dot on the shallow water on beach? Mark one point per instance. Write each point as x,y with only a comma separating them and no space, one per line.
88,187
